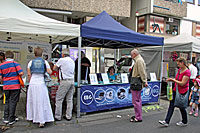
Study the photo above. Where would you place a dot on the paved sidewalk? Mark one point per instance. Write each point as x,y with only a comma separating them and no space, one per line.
109,116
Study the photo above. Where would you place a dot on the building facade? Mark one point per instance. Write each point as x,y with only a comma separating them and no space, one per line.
79,11
165,18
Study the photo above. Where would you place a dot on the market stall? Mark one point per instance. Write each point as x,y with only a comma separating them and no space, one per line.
104,31
22,29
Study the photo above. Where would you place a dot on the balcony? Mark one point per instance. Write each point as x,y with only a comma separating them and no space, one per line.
170,7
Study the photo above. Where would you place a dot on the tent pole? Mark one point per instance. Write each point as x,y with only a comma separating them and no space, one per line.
191,56
161,72
115,52
79,76
118,54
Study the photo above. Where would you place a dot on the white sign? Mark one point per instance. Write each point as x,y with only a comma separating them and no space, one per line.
105,78
93,79
153,76
124,77
184,55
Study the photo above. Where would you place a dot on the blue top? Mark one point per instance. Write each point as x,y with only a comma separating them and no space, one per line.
38,66
103,26
113,77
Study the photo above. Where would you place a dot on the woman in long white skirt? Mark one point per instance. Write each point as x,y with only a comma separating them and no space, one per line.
38,103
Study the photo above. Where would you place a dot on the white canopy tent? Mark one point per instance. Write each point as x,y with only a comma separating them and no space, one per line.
20,23
181,43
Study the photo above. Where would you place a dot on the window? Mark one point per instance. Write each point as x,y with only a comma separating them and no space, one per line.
198,30
141,24
199,2
190,1
156,24
172,26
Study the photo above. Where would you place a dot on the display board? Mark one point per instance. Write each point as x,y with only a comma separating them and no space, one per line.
102,97
24,51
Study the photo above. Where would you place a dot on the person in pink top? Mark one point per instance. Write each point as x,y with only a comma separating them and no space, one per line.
182,82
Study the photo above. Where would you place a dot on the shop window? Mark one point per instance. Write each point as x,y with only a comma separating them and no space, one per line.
172,26
142,24
190,1
198,30
156,24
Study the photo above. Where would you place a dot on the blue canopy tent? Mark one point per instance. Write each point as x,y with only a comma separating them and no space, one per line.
104,31
103,26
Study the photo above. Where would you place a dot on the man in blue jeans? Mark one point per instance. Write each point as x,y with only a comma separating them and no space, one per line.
9,71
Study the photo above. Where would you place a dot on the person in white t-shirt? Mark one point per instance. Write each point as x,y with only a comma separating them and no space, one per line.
193,71
66,68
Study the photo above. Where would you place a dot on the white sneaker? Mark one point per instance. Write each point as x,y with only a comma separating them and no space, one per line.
6,121
16,118
181,124
164,123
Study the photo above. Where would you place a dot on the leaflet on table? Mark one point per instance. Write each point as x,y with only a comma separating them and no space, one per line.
153,77
124,77
93,79
105,78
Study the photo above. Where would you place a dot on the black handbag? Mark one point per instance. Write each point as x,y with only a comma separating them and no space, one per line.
136,83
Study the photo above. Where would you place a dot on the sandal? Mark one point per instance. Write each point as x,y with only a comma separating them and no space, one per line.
132,119
135,120
41,125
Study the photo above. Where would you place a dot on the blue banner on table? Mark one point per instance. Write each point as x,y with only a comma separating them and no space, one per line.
102,97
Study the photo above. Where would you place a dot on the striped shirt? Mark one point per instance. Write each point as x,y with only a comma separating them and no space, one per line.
9,71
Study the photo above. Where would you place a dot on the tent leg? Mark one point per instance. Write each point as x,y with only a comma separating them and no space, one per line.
79,76
161,73
115,57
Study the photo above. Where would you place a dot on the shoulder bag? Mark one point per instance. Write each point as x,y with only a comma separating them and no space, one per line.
136,83
47,77
181,100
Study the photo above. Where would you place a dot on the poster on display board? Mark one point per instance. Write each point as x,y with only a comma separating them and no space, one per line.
24,51
184,55
74,53
102,97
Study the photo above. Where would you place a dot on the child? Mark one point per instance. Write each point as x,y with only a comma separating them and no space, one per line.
194,97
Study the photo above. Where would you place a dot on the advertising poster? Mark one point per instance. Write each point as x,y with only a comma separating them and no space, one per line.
102,97
74,53
24,51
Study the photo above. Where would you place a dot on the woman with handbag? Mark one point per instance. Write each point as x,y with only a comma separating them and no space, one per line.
181,87
38,103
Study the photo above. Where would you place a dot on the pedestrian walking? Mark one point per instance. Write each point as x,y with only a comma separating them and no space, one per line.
194,97
139,72
66,68
9,71
182,82
38,103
